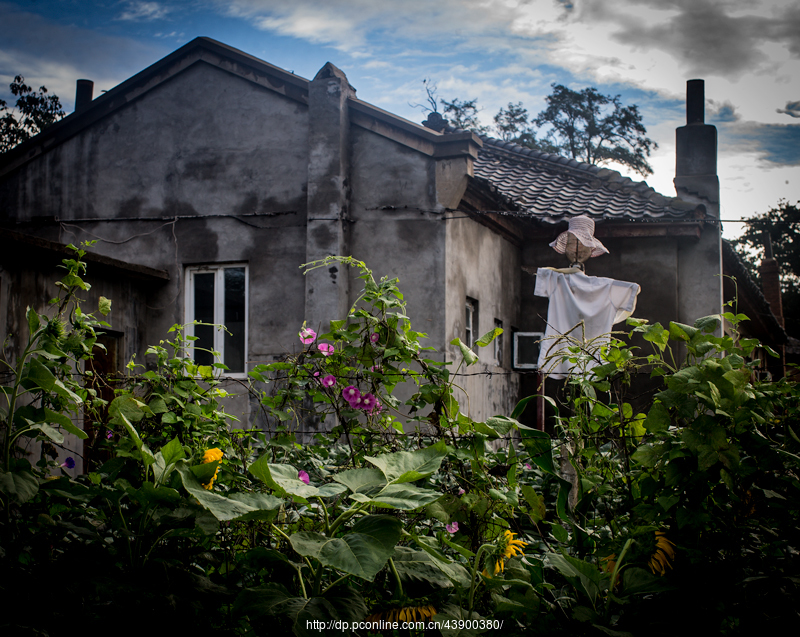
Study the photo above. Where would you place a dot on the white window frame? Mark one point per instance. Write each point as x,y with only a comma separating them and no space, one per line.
219,309
525,365
470,321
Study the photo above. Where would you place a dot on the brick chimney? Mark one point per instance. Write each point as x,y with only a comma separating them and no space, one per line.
696,153
770,280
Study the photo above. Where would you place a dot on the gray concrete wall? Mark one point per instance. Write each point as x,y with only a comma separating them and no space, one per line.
204,143
486,267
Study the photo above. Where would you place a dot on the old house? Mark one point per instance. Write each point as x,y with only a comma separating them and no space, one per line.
211,176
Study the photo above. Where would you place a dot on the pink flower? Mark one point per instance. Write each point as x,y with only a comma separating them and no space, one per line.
329,381
351,393
356,403
452,528
461,492
303,476
307,335
368,402
325,348
316,374
374,337
528,466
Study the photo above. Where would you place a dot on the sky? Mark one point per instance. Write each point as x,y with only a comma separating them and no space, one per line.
495,51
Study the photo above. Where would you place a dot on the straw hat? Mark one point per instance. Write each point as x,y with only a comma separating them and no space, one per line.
582,228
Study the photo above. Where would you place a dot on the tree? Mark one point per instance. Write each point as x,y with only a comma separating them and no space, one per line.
464,114
596,128
782,224
34,112
512,125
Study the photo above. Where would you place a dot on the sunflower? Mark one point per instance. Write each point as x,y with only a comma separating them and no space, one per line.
664,552
403,614
507,547
212,455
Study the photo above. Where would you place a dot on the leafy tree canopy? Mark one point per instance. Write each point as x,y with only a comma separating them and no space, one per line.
585,125
33,113
782,224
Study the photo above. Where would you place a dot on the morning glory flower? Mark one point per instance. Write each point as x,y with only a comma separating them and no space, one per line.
368,402
303,476
452,528
307,335
351,393
329,381
374,337
325,348
69,463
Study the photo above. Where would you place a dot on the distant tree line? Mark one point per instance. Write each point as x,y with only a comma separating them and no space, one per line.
584,125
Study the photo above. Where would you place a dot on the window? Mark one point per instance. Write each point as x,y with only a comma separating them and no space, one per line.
526,349
471,322
217,295
498,344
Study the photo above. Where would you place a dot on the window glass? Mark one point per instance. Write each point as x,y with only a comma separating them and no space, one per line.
217,295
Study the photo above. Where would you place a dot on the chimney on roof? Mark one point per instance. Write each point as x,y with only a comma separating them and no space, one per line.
696,153
771,279
83,94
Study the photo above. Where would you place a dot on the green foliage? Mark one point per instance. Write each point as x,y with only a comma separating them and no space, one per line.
782,224
34,112
627,509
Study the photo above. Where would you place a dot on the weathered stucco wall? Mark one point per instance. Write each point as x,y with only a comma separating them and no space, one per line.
203,144
486,267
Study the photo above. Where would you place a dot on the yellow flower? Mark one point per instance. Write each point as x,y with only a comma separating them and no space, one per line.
212,455
507,547
665,551
610,563
403,614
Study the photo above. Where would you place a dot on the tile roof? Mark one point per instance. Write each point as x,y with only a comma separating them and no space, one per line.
553,188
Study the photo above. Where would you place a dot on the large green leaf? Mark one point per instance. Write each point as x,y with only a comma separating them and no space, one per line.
40,376
470,357
361,480
169,454
362,552
585,577
406,497
535,502
409,466
243,507
54,434
413,565
64,421
282,478
126,406
19,485
487,338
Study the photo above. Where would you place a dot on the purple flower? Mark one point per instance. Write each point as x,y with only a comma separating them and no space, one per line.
351,393
109,435
325,348
368,402
329,381
452,528
303,476
69,463
307,335
374,337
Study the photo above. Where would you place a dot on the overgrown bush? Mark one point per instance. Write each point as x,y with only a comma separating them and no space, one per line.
401,512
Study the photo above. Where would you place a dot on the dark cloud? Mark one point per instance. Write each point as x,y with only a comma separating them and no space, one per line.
792,109
708,39
776,144
721,112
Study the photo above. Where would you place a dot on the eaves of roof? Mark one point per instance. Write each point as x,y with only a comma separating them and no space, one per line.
19,246
251,68
550,189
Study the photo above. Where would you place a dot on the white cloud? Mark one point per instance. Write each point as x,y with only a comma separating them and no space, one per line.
139,11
